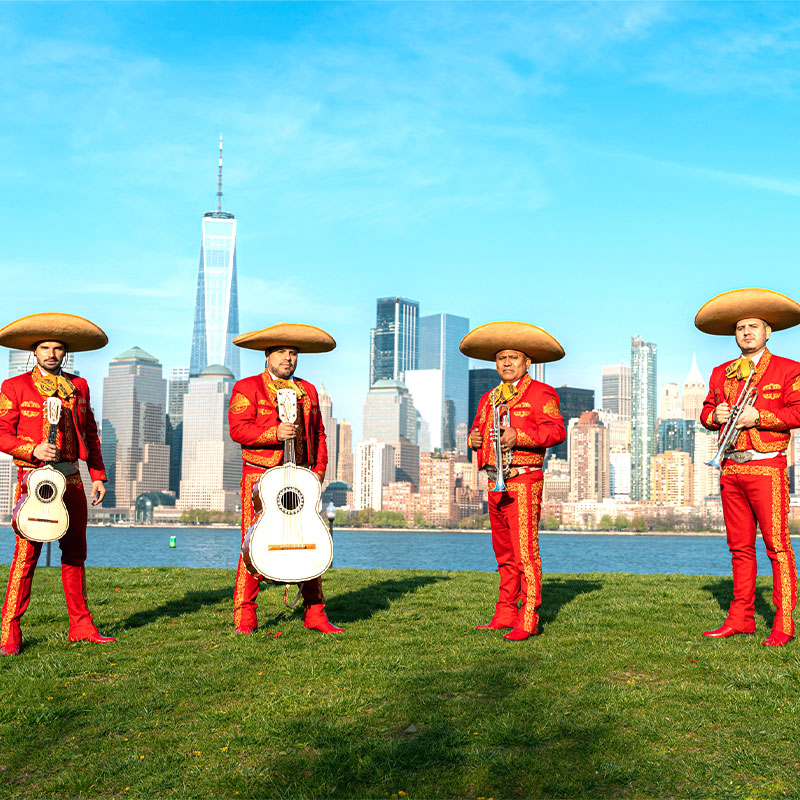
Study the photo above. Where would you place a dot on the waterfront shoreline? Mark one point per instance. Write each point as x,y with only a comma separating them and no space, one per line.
410,529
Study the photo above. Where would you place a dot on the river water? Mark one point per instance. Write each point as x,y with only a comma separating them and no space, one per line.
219,547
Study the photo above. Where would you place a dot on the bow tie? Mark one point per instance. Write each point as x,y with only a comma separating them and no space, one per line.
504,392
280,383
740,369
50,385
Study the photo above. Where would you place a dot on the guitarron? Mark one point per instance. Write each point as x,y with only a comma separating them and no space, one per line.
40,514
288,541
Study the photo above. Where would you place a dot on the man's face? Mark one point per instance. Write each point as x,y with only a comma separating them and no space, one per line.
511,365
50,355
282,361
752,335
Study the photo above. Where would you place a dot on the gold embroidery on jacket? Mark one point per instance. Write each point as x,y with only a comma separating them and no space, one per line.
551,408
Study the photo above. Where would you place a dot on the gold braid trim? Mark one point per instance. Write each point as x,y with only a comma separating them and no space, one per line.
551,408
5,405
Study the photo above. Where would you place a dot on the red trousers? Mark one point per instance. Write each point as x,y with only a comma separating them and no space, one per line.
514,516
73,575
246,590
758,492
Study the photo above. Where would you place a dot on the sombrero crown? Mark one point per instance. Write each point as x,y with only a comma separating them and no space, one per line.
77,333
485,341
306,338
721,313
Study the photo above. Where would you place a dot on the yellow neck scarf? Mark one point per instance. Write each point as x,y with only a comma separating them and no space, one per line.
280,383
504,392
49,385
740,369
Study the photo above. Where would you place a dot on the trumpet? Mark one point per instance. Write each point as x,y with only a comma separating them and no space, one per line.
747,397
500,418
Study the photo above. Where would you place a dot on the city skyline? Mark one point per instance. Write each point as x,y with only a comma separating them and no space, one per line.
624,162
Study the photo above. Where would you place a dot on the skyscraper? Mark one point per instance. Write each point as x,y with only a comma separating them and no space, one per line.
676,434
643,415
589,468
669,406
331,437
671,480
178,385
694,392
573,403
216,311
389,413
439,337
135,454
374,468
393,340
344,457
211,459
617,389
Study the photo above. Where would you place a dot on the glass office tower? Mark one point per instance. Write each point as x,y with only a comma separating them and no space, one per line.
216,312
393,340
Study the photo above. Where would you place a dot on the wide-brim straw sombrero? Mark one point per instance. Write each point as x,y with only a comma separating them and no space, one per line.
485,341
306,338
721,313
77,333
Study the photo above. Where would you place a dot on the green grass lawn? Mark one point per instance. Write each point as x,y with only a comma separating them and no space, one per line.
621,696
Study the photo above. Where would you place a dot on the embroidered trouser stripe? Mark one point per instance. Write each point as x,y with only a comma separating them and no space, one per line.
245,592
514,516
758,493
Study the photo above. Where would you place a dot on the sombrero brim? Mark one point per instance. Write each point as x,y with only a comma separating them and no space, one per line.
485,341
77,333
306,338
721,313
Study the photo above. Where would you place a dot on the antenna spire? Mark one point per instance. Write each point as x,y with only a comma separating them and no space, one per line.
219,182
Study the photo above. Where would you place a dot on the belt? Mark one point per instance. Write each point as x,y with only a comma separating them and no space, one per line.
66,468
513,472
743,456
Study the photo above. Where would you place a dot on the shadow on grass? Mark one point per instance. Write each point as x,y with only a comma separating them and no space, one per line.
558,592
722,591
362,604
190,603
476,730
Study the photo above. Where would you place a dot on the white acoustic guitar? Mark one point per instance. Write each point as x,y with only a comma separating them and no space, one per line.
288,541
40,514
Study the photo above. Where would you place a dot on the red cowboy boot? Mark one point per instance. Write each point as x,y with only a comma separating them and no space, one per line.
81,624
777,639
724,631
316,619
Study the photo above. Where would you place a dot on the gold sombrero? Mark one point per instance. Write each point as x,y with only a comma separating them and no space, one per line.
76,332
721,313
485,341
306,338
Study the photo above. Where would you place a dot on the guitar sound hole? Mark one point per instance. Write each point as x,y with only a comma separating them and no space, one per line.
290,500
45,491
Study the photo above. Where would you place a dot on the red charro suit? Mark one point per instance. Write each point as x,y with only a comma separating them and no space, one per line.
535,414
253,421
758,491
22,427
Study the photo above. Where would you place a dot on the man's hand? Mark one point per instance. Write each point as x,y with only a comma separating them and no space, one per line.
721,413
476,439
98,492
45,452
286,431
508,439
747,419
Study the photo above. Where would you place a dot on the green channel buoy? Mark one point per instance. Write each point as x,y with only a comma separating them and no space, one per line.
172,541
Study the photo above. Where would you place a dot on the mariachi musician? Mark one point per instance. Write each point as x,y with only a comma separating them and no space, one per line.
754,482
23,435
513,426
254,424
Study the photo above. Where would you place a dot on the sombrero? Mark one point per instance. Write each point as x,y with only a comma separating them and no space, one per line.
721,313
306,338
76,332
485,341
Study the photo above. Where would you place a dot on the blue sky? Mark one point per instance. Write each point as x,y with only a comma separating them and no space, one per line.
597,169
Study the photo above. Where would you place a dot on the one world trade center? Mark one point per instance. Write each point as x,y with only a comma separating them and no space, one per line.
216,312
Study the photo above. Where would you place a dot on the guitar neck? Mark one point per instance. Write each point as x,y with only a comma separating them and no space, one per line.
52,434
289,456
